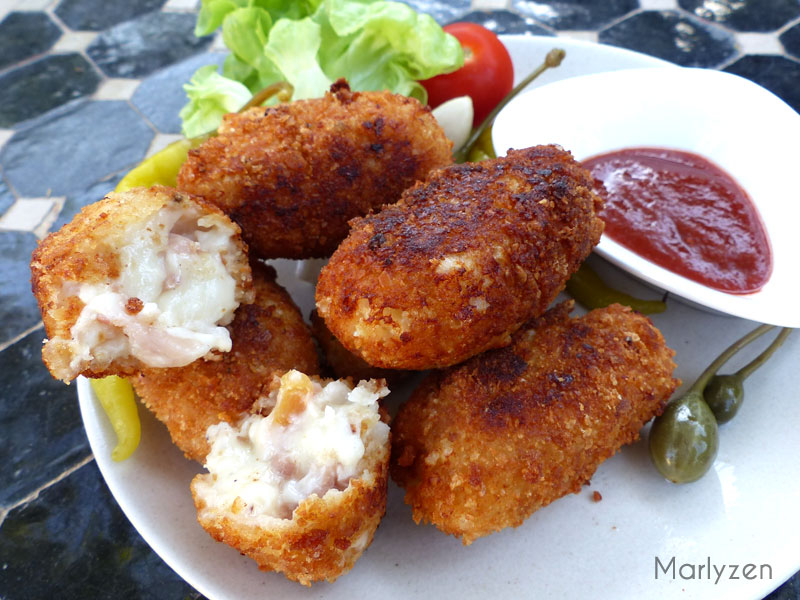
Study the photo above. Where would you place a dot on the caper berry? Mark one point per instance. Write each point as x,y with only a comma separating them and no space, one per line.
724,395
684,439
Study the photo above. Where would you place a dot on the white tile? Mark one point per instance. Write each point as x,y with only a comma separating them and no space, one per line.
489,4
758,43
7,6
161,141
74,41
217,44
27,214
5,135
43,228
658,4
181,5
116,89
586,36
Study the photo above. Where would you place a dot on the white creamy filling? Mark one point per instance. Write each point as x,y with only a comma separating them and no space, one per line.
267,466
174,267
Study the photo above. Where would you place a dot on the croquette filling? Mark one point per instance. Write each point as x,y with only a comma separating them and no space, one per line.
172,299
314,440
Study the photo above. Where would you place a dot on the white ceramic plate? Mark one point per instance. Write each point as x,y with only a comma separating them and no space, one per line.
751,133
743,511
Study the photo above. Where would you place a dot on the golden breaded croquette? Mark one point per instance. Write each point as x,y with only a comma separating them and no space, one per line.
303,489
147,277
269,337
481,446
294,174
344,363
461,261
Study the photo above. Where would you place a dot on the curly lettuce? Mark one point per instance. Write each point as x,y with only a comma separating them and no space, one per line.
310,43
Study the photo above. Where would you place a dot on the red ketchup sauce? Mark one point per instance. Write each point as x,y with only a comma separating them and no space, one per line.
685,214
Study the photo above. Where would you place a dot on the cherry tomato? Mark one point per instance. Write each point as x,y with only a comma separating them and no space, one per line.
486,77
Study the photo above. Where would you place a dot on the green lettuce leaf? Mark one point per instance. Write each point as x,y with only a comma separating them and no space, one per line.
375,45
210,96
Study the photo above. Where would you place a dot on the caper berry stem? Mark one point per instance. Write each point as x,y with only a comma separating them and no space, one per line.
712,369
283,89
759,360
587,287
552,60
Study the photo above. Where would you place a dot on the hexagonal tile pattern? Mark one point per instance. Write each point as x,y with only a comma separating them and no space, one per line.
139,47
35,88
791,40
672,36
442,11
778,74
87,89
56,145
76,533
576,14
75,202
745,15
6,198
25,34
25,462
18,309
160,97
504,21
96,15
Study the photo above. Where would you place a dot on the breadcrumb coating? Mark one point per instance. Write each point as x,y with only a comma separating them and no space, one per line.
344,363
269,337
294,174
327,531
481,446
130,254
461,261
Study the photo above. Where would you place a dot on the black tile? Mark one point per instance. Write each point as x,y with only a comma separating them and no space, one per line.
745,15
6,197
504,21
791,40
672,36
160,97
42,429
25,34
576,14
35,88
18,309
95,15
74,542
75,202
778,74
788,591
137,48
443,11
69,150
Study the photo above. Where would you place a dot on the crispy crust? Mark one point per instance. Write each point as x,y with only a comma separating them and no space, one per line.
344,363
269,337
86,251
481,446
324,537
293,175
461,261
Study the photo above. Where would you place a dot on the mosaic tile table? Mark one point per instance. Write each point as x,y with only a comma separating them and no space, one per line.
87,89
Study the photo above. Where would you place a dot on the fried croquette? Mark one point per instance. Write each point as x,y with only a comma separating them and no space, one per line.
294,174
303,489
461,261
344,363
481,446
269,337
147,277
